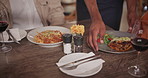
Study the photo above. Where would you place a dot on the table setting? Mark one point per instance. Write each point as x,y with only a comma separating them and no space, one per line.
63,52
36,59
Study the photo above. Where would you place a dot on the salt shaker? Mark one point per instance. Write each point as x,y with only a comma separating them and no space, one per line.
67,39
78,43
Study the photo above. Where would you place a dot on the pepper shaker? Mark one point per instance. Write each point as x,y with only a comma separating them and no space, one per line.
78,43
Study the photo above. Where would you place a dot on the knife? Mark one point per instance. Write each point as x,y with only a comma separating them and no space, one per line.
90,57
9,33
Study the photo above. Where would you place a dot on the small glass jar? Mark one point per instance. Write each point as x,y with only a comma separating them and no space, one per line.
78,43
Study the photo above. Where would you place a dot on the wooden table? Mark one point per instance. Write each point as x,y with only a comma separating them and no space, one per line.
28,60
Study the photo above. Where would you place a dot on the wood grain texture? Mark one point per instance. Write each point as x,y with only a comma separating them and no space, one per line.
32,61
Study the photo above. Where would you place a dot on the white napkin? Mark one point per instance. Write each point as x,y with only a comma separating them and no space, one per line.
87,55
88,66
15,33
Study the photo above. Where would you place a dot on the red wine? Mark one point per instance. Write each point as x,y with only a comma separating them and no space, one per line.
140,44
3,26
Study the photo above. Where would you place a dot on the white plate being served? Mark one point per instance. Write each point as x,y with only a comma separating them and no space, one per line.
22,33
34,32
79,71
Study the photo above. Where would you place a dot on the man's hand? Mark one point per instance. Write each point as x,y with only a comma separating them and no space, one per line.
97,26
95,29
131,14
131,20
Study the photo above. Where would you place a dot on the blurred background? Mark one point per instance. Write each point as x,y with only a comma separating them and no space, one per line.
70,12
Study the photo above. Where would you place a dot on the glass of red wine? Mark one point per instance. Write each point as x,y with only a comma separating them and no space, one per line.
140,44
3,26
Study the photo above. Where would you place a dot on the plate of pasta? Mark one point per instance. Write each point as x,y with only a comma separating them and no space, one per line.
49,36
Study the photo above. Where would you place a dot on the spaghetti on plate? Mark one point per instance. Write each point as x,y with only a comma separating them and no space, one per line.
48,36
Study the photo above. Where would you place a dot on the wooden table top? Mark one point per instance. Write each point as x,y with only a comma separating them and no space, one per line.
28,60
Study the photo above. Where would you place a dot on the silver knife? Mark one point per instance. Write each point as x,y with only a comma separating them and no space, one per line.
9,33
92,57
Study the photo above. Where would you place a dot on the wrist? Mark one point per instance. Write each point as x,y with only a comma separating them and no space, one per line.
96,19
132,10
97,23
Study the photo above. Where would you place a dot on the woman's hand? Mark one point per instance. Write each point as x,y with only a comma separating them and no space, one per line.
95,29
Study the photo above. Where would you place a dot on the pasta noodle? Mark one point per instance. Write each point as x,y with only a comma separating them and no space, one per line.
77,29
48,36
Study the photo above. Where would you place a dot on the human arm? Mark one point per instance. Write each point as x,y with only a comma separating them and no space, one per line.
97,25
131,14
56,12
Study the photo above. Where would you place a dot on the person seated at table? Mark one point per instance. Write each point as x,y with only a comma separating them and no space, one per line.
101,13
29,14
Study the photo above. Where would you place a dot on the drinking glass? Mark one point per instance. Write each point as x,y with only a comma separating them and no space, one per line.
3,26
140,44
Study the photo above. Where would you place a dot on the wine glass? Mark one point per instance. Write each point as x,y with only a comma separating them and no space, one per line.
140,44
3,26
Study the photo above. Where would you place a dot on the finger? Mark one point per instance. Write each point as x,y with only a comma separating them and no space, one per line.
90,41
102,33
87,40
95,44
130,29
132,22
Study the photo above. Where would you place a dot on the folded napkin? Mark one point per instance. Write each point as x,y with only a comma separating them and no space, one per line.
88,66
14,32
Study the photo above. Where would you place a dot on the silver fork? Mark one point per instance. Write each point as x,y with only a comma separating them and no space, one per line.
74,65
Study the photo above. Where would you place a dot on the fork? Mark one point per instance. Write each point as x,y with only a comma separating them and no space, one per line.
74,65
14,39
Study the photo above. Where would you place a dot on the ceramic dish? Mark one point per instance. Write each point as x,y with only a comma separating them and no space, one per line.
32,33
82,70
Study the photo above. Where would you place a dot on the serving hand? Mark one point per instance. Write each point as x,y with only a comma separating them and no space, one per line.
95,29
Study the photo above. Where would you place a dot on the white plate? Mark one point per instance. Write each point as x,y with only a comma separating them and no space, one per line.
77,72
22,33
32,33
105,48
